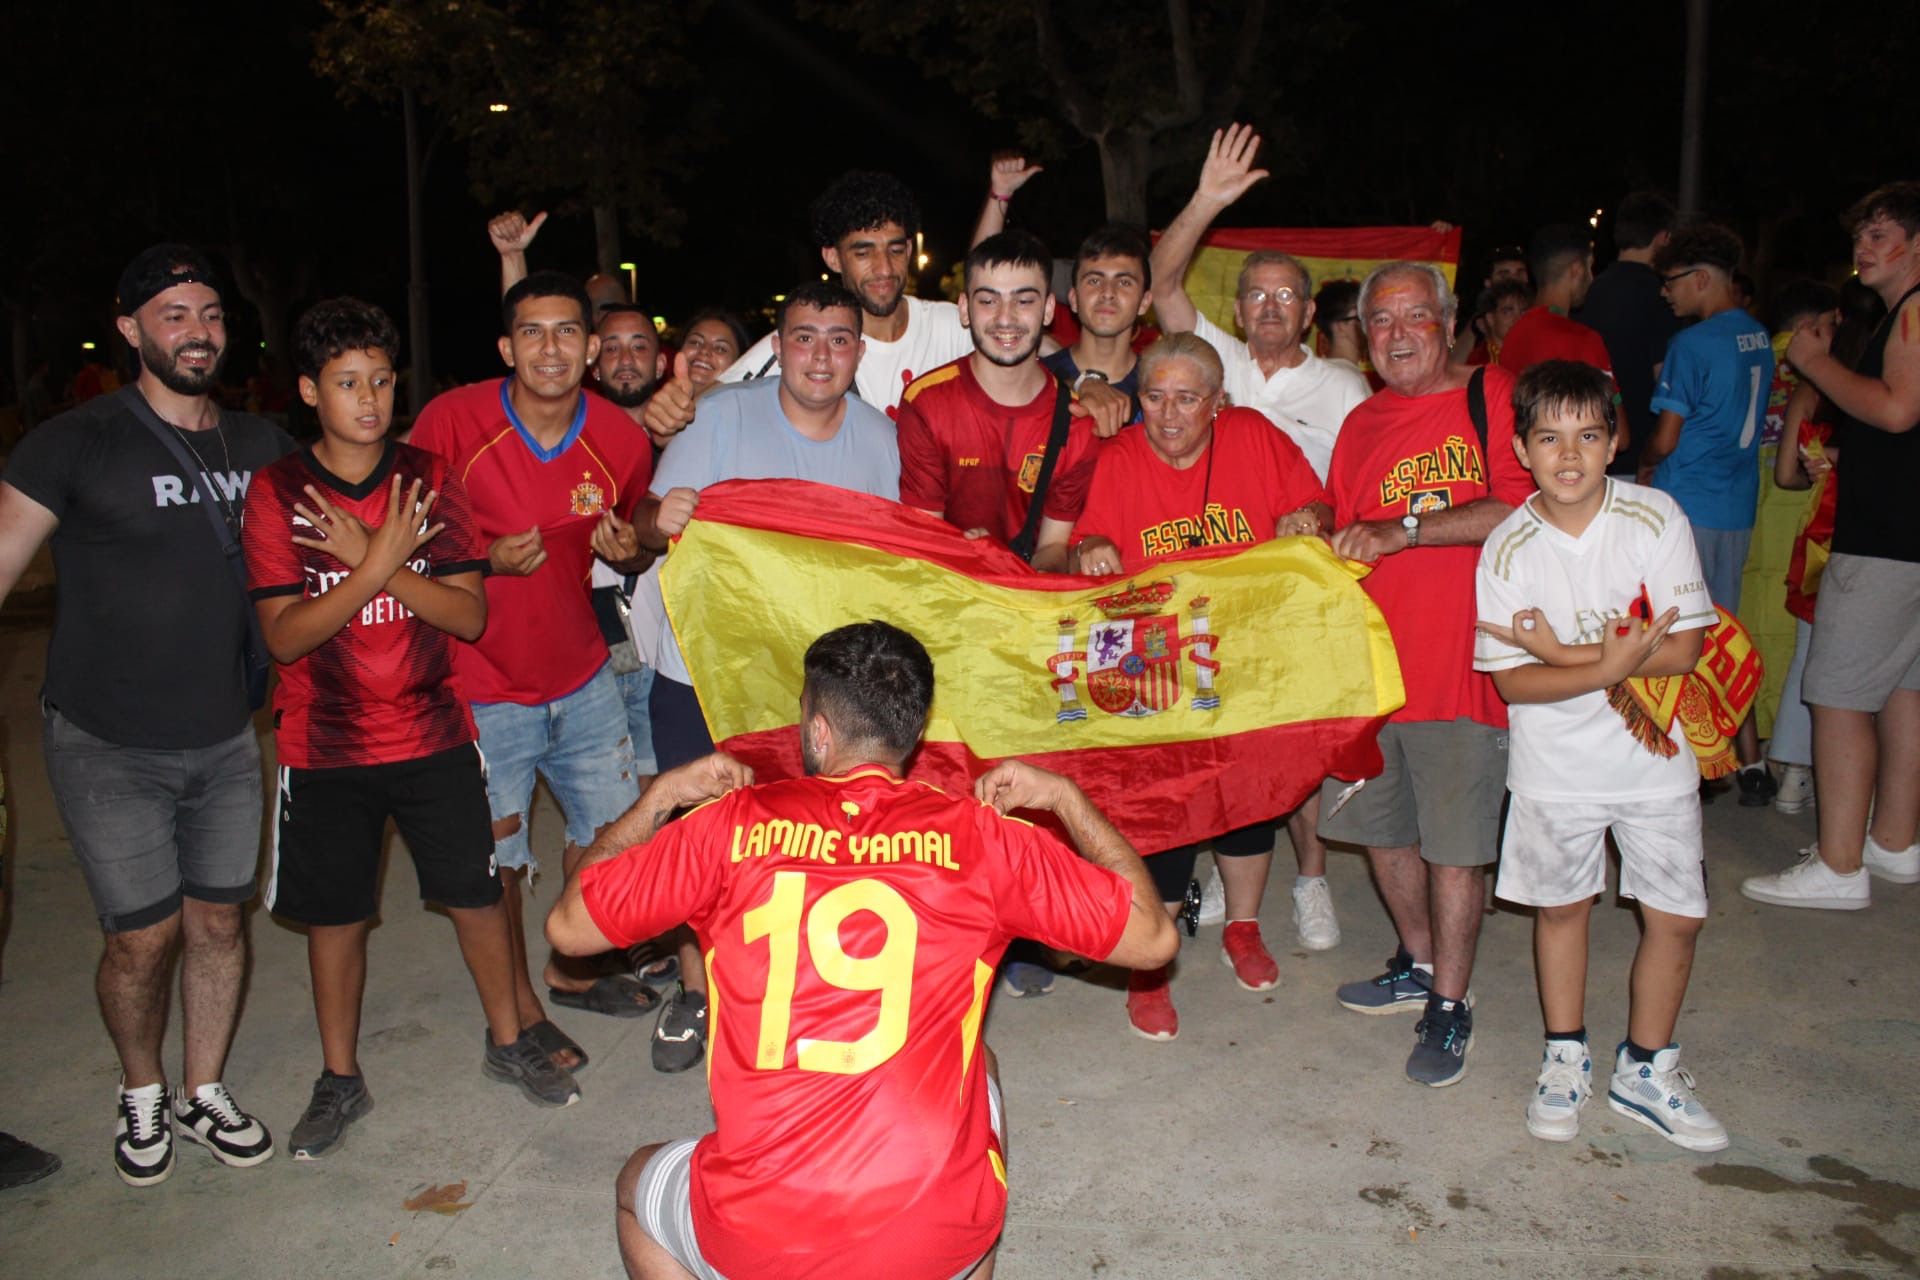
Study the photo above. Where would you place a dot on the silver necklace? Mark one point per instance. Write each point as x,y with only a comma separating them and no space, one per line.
213,483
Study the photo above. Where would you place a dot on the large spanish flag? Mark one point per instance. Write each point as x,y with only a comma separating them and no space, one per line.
1210,694
1331,253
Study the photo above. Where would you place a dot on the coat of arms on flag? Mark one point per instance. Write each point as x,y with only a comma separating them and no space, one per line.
1132,656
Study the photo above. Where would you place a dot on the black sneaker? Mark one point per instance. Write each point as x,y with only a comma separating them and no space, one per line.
22,1162
143,1139
213,1119
1445,1034
680,1036
1757,787
337,1102
526,1064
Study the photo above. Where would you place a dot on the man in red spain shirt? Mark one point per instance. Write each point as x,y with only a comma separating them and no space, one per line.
553,476
1561,259
851,922
974,433
1414,495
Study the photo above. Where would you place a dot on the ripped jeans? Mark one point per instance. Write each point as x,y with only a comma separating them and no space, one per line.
579,743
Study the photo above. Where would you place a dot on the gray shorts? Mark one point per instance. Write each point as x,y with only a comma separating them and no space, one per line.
1440,788
1866,642
1723,562
663,1197
150,826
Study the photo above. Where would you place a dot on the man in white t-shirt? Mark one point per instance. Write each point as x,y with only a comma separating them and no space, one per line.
1590,582
865,225
1273,370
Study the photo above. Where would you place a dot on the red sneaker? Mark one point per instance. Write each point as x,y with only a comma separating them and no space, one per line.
1242,951
1150,1005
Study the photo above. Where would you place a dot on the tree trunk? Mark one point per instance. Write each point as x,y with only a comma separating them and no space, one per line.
606,239
419,340
1693,111
1124,164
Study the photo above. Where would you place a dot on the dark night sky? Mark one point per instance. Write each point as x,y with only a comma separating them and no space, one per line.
204,123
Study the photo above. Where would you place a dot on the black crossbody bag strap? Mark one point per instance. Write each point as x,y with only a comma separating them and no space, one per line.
1477,410
258,663
1023,542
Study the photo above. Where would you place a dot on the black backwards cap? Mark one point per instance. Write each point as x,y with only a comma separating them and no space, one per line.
155,270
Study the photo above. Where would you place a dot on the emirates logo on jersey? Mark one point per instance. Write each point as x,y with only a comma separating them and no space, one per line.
589,499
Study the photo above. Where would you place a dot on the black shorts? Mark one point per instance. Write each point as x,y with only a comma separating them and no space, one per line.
1173,869
324,867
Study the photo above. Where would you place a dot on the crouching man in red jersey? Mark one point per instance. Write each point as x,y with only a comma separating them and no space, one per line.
851,923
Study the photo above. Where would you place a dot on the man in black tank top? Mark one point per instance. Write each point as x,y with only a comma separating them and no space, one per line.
1863,671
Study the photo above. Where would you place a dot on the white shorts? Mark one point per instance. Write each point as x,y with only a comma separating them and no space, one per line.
1555,853
663,1196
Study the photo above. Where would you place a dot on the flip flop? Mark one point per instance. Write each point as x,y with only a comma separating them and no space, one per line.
661,973
552,1040
618,995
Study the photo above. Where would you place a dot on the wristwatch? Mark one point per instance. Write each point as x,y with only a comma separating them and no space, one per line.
1411,523
1086,374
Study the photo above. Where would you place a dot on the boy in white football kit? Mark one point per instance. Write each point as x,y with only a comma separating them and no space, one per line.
1557,584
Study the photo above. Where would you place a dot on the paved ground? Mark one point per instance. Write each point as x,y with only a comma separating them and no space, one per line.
1277,1136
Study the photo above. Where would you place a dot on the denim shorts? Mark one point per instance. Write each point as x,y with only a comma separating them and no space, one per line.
1723,562
636,694
151,825
579,743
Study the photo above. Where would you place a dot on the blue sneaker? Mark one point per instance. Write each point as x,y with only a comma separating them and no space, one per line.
1401,989
1019,979
1444,1036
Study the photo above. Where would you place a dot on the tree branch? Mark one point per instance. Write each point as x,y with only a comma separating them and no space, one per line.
1186,72
1080,110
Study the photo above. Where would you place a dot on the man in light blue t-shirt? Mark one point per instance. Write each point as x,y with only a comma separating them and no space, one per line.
802,425
1711,400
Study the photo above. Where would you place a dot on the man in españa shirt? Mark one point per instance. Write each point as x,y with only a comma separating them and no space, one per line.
851,1140
553,476
1414,495
974,434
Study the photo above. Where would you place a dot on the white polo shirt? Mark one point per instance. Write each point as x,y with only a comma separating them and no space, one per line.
1308,401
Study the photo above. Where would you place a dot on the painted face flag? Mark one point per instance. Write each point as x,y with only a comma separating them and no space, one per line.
1210,692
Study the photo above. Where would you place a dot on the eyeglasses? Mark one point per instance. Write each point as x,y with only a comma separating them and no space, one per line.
1666,282
1258,297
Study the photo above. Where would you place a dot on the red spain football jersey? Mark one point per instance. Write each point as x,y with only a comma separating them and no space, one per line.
380,689
1544,334
1421,453
1255,475
851,927
977,461
542,641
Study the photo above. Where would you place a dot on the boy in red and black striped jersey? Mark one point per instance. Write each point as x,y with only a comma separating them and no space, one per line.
363,558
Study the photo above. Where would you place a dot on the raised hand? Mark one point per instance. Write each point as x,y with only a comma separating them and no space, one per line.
512,233
1228,172
1009,173
1811,339
670,407
517,554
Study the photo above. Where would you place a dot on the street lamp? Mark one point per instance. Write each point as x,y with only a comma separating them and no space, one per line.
498,108
633,280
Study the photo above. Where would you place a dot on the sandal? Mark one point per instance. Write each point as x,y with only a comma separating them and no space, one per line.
552,1040
618,995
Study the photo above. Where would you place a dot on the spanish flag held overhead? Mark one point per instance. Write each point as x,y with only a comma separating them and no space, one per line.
1330,253
1212,692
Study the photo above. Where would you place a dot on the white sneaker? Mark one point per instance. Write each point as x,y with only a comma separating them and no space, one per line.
143,1136
1660,1096
1810,883
1313,917
1796,789
1213,900
1902,867
1565,1083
